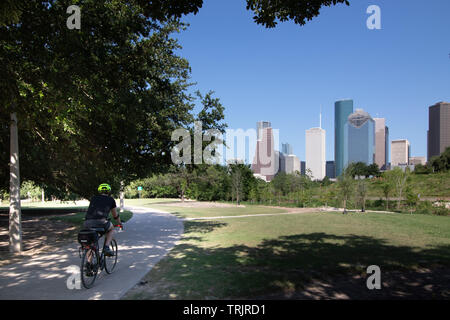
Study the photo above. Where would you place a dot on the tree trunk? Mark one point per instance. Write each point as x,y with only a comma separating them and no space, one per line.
15,223
121,196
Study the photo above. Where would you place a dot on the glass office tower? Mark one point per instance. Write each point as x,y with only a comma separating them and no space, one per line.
286,148
342,109
359,138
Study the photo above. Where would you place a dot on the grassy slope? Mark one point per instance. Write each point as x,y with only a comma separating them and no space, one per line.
244,257
427,185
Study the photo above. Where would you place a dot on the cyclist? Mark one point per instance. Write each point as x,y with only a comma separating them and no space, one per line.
98,211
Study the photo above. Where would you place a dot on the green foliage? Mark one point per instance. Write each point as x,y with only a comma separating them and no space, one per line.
96,104
152,187
211,183
440,211
421,169
345,185
28,190
442,162
267,13
412,198
361,193
361,169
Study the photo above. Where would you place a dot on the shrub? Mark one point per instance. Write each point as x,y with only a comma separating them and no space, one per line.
440,211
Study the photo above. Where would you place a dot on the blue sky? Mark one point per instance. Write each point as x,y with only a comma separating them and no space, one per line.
285,74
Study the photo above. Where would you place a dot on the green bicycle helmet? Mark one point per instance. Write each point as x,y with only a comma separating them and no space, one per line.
104,187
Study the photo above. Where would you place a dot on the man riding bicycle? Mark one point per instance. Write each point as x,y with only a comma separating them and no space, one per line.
98,212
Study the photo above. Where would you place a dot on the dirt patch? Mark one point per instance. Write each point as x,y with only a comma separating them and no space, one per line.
206,204
201,204
38,235
295,210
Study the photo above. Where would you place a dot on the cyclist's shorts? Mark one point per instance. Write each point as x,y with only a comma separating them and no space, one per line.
98,223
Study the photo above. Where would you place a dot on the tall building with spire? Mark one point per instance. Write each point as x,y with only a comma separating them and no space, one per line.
315,151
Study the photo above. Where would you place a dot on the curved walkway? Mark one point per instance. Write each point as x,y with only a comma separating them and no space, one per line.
146,238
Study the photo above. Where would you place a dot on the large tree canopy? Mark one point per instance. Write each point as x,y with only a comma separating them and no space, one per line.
96,104
266,12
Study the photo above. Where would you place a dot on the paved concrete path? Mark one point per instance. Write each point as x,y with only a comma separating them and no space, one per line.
146,238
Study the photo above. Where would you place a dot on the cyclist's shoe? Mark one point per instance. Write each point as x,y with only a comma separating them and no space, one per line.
108,252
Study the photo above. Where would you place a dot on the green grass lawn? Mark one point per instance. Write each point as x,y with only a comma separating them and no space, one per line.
254,256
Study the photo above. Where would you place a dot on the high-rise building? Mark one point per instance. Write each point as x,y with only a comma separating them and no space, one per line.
260,125
400,152
286,148
417,160
381,143
342,109
330,170
266,160
438,129
315,152
359,138
289,163
303,167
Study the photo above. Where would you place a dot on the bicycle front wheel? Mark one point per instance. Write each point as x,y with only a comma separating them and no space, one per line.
111,261
89,268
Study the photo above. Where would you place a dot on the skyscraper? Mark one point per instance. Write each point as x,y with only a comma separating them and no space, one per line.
342,109
400,152
289,163
260,125
266,160
315,152
286,148
438,128
381,143
359,138
330,170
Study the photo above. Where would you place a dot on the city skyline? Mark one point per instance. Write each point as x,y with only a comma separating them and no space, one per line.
380,132
285,74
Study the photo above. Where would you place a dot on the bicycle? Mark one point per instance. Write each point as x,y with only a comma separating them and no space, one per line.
92,259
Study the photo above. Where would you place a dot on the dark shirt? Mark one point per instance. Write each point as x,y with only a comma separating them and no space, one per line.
99,207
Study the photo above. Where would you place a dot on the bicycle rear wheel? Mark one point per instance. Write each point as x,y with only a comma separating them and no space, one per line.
89,270
111,261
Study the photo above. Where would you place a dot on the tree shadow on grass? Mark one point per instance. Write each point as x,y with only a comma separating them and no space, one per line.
303,266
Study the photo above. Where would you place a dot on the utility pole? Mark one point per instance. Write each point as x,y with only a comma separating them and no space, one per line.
15,220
